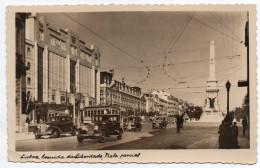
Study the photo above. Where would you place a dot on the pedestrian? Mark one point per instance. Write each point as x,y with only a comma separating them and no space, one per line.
234,135
27,120
229,139
244,123
182,120
221,135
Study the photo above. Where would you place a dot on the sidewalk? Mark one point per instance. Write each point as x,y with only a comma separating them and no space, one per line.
24,136
243,142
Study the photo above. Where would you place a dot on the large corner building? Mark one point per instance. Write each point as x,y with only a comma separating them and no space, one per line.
64,70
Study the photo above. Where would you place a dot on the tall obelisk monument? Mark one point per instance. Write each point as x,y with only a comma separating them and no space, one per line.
211,110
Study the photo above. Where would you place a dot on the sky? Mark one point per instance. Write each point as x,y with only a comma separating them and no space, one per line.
137,43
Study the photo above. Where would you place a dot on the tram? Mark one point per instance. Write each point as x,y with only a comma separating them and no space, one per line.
88,112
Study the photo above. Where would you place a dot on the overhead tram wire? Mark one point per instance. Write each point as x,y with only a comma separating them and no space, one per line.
192,50
221,69
219,19
186,76
112,44
235,70
188,82
216,72
169,48
188,62
202,23
227,33
175,42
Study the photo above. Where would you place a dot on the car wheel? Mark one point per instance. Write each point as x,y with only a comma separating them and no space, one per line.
80,138
119,137
36,130
37,136
101,138
73,133
140,128
55,134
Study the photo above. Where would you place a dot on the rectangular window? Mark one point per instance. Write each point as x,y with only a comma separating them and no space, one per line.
57,72
62,98
72,76
24,105
41,34
40,74
28,51
84,79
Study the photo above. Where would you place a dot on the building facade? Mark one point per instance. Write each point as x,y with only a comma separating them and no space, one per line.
21,68
112,92
164,103
63,69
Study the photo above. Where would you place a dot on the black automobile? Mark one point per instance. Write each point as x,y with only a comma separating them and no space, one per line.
134,123
160,122
57,125
102,125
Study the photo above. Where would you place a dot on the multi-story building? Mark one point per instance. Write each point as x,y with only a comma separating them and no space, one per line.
21,68
64,71
112,92
152,103
173,105
164,103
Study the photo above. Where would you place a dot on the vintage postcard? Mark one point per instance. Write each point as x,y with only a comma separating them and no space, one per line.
132,84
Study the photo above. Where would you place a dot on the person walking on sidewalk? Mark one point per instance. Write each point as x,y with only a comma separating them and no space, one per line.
221,135
234,135
244,123
182,120
178,124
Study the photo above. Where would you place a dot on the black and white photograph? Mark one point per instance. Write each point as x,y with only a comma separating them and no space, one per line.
134,80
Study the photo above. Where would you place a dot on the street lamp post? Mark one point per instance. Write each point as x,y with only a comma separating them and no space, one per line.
228,85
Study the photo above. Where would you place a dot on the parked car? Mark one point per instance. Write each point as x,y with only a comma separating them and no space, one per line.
133,123
150,119
160,122
57,125
102,125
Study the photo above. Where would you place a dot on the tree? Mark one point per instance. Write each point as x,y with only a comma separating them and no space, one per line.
245,105
194,112
238,113
241,112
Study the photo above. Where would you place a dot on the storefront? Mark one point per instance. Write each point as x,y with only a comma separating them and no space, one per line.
42,111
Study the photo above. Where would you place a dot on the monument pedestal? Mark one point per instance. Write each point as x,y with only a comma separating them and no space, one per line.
211,116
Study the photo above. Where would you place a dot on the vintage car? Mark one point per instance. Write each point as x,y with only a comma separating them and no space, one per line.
132,123
57,125
102,125
160,122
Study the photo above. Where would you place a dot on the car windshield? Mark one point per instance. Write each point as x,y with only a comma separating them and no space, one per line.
137,119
